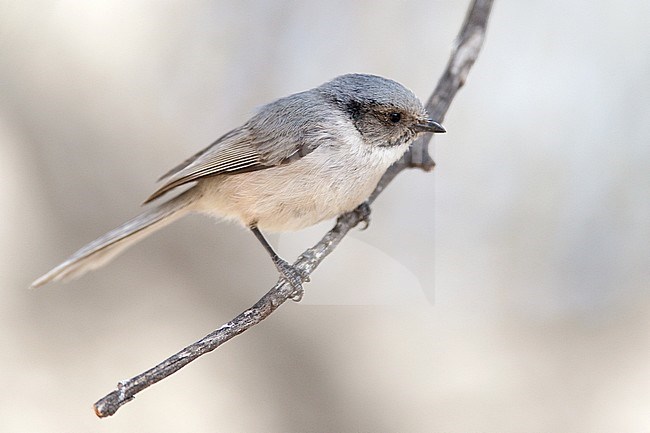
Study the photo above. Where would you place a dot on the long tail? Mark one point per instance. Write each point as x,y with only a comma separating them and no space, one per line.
104,249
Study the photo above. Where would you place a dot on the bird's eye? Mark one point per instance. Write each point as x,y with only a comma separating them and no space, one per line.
395,117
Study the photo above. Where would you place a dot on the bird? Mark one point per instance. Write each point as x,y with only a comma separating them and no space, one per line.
297,161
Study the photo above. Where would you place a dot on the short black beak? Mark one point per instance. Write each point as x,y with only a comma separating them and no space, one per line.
429,126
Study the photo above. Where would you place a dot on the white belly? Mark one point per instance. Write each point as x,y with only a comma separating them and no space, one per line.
321,185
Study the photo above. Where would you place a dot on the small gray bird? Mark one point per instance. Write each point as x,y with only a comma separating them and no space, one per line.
300,160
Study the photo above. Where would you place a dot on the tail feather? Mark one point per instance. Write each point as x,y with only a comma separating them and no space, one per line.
104,249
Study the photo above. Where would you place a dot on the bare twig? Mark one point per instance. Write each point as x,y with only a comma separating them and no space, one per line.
468,45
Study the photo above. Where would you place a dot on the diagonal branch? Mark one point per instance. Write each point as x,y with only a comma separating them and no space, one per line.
467,47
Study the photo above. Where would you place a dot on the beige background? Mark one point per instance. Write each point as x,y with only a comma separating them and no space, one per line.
507,291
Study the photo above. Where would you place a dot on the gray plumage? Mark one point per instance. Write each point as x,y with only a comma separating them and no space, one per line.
299,160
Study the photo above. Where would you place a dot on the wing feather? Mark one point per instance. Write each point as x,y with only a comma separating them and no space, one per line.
278,134
230,155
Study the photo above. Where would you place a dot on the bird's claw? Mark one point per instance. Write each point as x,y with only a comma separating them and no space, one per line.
363,212
293,276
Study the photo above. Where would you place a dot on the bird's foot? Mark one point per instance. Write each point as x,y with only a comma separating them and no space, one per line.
363,212
293,276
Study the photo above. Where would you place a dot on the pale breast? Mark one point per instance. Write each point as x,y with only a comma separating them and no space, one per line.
331,180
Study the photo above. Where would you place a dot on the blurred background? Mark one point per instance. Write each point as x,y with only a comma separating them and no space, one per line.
506,291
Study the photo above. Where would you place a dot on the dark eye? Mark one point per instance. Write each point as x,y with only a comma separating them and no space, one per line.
395,117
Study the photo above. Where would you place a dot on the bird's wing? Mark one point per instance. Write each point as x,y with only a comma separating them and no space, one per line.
242,150
194,157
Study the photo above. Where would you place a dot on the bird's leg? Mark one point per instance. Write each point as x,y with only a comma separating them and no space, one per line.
290,273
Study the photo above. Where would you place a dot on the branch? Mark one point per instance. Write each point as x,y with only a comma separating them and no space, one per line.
467,47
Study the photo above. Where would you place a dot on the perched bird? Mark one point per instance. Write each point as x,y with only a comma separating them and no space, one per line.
299,160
